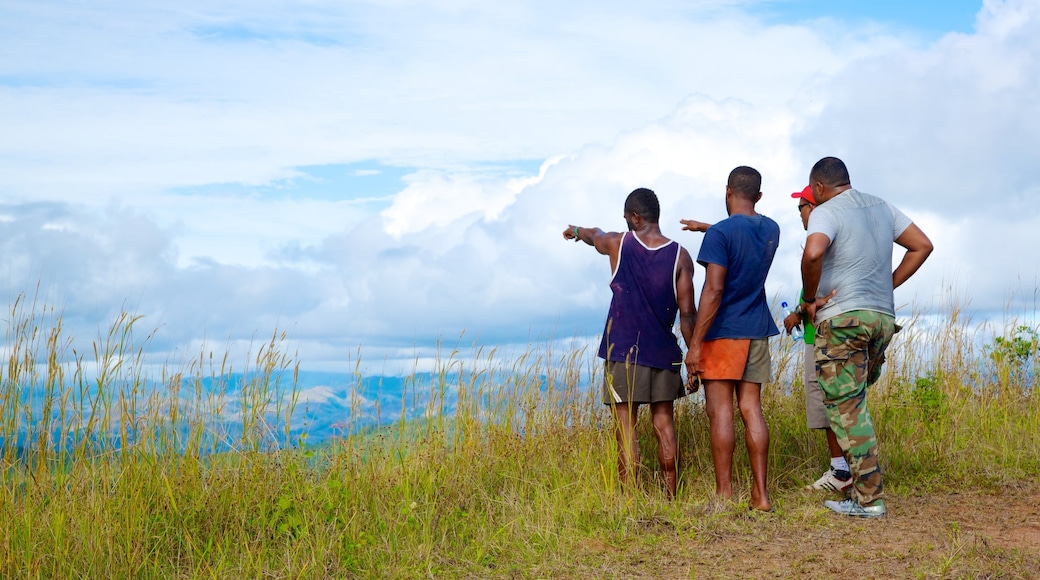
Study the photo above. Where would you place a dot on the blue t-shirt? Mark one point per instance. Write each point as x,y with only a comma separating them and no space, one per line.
744,245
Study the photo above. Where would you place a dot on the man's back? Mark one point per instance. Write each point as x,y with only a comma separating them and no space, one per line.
744,245
644,305
858,262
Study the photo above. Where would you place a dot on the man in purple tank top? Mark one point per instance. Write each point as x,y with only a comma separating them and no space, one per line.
652,282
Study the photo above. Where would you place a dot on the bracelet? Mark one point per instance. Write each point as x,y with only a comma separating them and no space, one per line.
576,238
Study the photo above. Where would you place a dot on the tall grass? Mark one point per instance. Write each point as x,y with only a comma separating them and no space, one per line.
185,472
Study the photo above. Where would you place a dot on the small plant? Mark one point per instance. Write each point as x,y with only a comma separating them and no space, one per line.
1015,357
1017,348
286,518
928,395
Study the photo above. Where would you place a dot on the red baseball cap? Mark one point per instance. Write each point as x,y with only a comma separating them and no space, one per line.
805,194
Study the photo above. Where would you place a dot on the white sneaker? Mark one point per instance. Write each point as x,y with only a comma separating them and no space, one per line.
833,480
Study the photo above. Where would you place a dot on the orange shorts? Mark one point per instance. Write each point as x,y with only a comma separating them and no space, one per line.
724,359
736,359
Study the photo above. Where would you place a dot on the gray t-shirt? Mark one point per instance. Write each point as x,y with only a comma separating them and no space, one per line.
858,262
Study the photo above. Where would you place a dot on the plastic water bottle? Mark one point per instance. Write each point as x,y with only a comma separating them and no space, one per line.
796,332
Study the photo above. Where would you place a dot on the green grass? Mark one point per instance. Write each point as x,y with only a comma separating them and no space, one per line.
519,482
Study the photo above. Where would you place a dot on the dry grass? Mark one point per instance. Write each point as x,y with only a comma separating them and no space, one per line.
128,480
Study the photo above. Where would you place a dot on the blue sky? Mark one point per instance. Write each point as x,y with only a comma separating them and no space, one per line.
930,19
387,175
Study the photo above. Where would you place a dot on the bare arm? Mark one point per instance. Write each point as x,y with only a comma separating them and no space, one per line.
792,320
606,243
918,247
684,296
711,299
812,266
694,226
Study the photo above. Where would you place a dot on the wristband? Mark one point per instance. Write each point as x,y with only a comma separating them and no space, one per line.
576,238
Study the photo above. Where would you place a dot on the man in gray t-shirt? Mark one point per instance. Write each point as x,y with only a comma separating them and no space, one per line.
848,281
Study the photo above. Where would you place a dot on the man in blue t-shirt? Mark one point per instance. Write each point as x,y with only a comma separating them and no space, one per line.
730,348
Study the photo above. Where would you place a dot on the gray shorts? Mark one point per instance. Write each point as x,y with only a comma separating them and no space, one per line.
637,384
759,368
815,412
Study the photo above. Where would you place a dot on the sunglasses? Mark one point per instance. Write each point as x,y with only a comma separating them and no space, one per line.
802,206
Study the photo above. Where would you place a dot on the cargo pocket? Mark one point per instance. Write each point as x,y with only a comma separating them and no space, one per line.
838,341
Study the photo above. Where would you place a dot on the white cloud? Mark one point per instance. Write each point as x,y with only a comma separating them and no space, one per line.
135,99
946,133
101,128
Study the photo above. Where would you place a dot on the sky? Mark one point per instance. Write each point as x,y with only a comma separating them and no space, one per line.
389,179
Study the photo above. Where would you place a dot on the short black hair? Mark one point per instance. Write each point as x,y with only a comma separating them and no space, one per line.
831,172
644,202
745,182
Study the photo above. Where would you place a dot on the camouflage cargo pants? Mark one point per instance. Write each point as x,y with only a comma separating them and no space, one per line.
850,349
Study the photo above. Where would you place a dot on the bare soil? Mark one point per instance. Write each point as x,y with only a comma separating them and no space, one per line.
992,534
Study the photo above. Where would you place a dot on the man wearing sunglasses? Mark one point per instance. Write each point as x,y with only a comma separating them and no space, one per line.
837,477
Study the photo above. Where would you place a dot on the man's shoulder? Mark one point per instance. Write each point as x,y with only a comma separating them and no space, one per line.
745,223
620,239
853,197
862,197
684,253
770,223
734,222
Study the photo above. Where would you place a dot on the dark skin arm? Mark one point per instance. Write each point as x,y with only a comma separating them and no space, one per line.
792,320
918,247
684,296
711,299
798,316
606,243
812,266
692,381
694,226
687,303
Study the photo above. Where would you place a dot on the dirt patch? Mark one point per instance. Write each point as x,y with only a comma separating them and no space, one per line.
954,535
1012,522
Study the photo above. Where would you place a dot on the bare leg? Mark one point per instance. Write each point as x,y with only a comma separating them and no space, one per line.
756,433
718,399
625,415
667,443
832,443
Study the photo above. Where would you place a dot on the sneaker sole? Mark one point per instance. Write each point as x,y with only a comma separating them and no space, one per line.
863,515
843,488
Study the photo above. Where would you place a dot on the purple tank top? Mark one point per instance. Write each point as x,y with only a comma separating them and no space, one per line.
642,311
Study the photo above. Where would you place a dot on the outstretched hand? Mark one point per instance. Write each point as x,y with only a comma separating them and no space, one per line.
694,226
571,233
